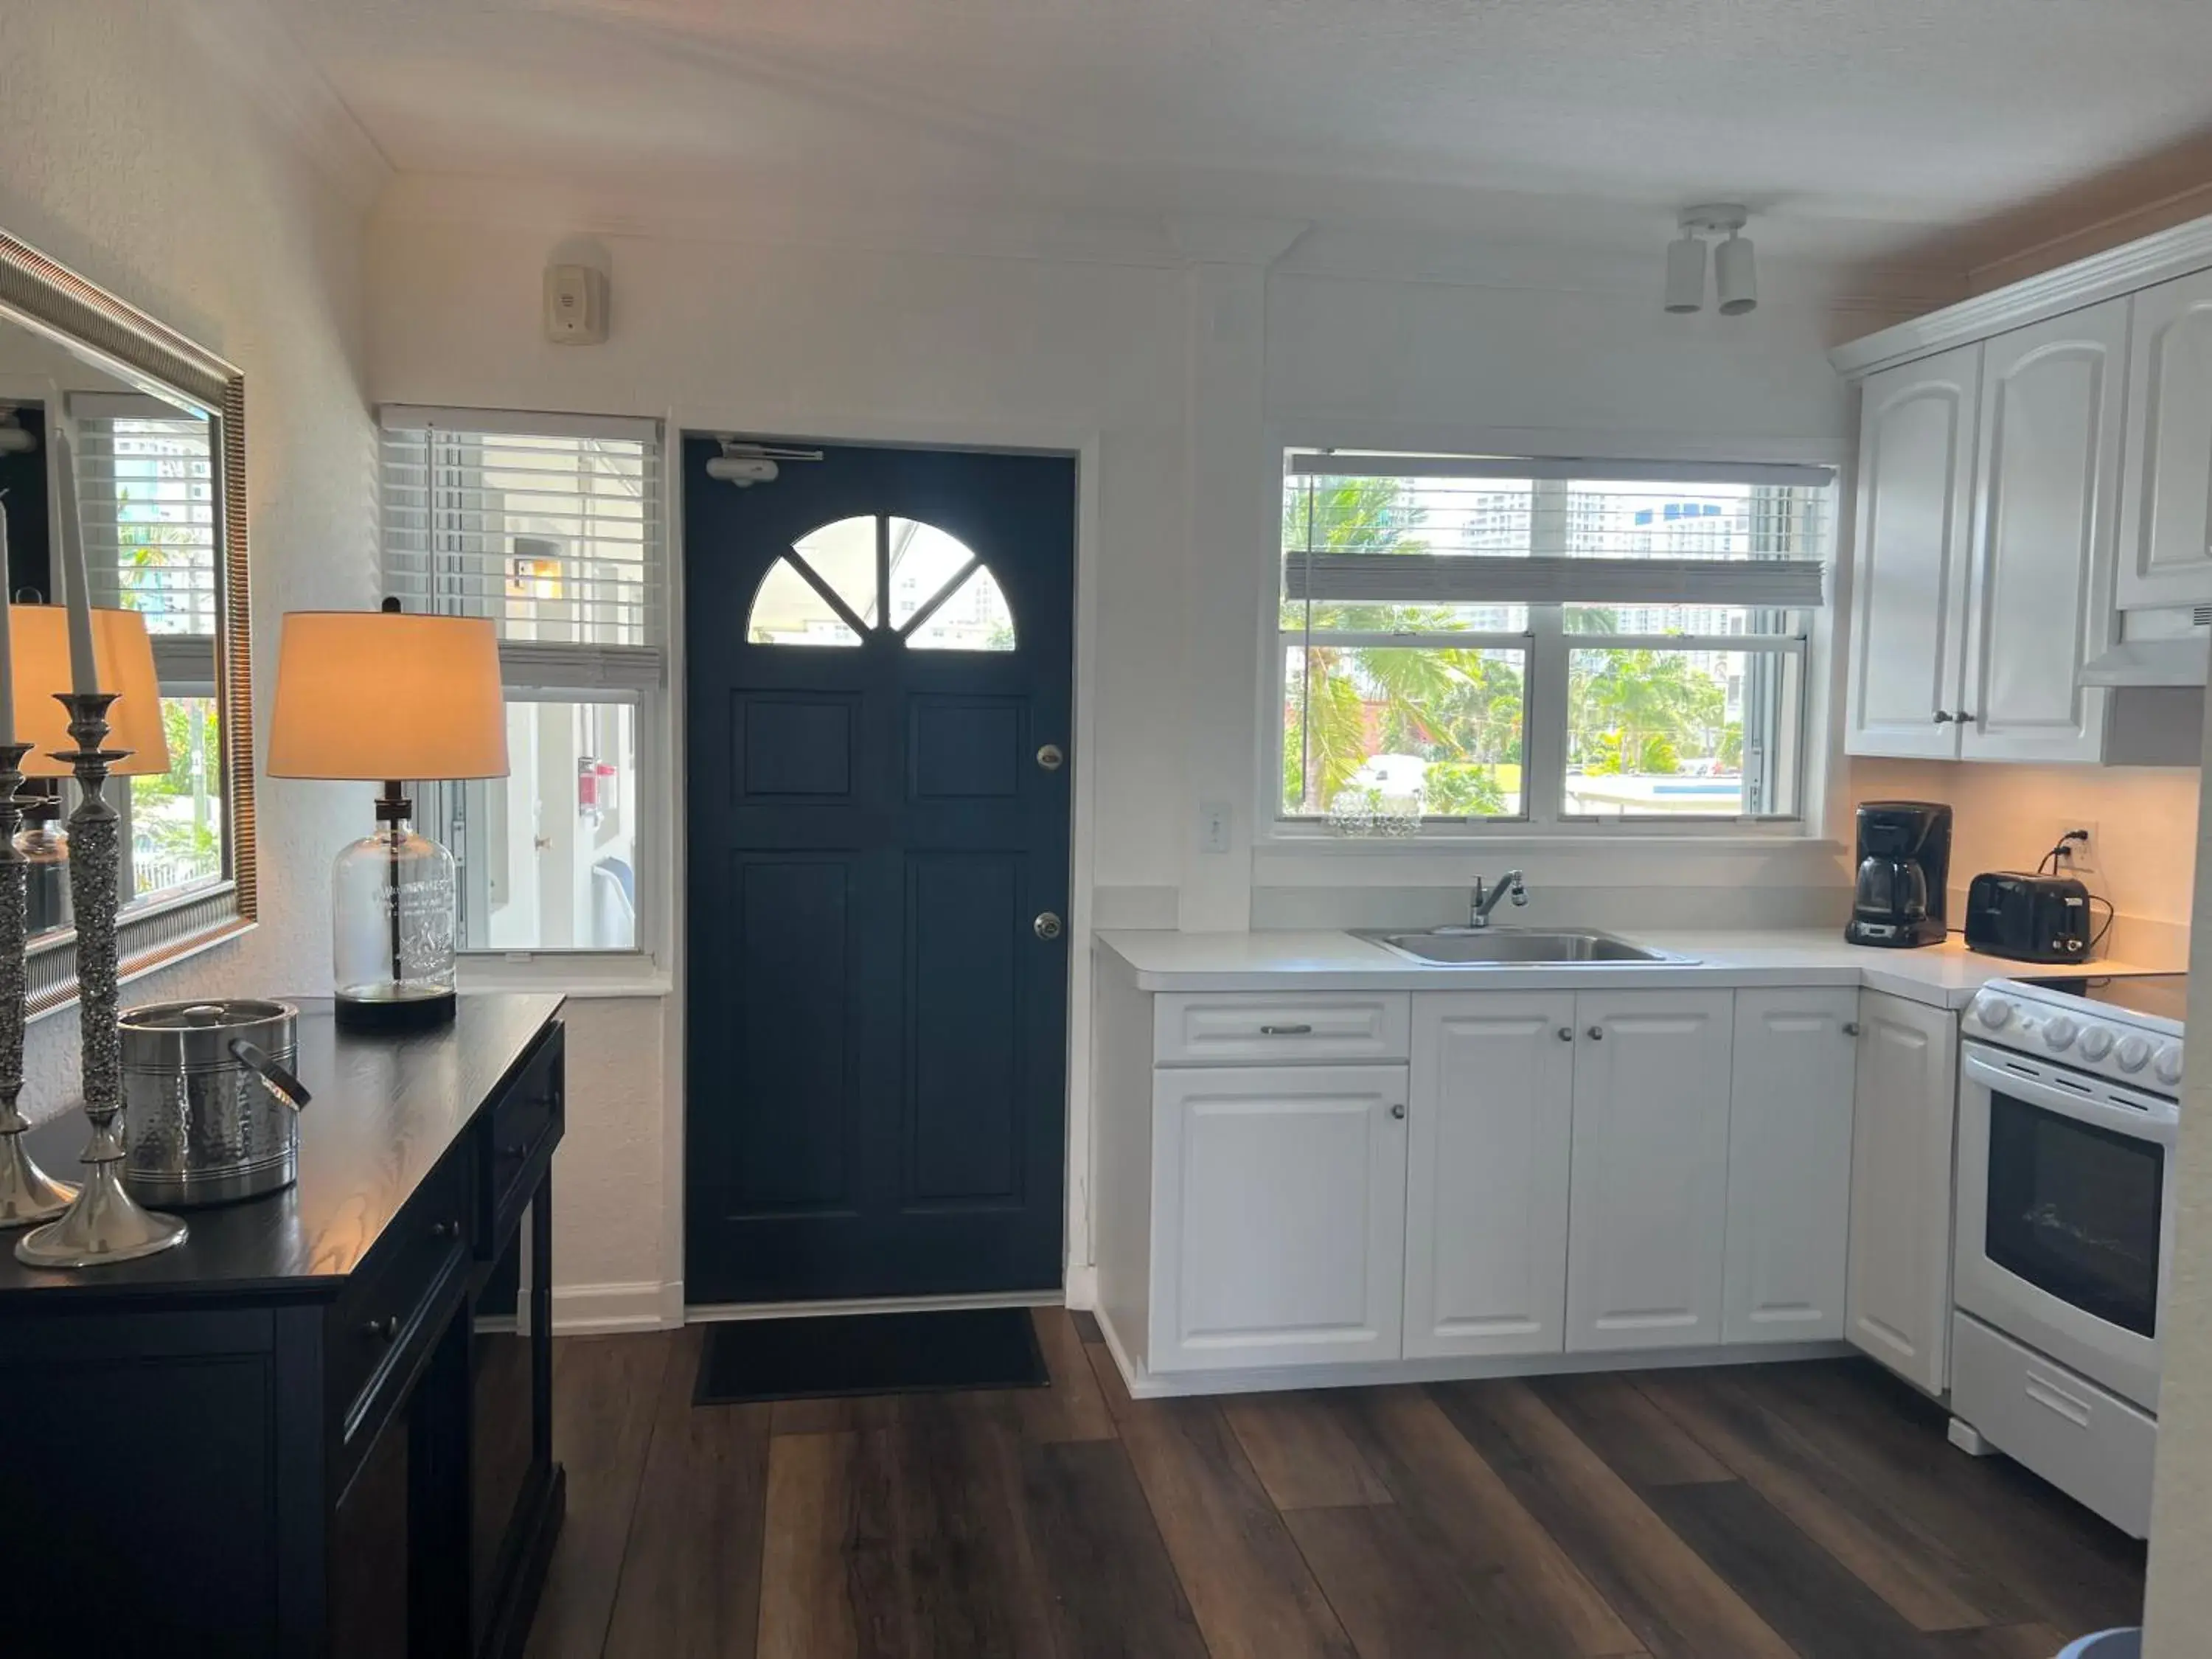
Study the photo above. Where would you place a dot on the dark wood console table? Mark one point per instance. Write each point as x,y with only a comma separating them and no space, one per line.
323,1425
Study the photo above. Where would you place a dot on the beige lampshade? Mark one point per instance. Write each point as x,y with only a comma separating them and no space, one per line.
38,638
381,694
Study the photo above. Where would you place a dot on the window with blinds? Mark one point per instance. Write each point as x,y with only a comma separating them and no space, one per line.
551,526
145,482
1545,640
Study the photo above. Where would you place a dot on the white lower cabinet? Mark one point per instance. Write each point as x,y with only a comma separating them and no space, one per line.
1488,1140
1649,1210
1790,1165
1897,1307
1279,1215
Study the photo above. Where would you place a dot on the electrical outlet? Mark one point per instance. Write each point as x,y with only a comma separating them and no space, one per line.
1213,826
2081,857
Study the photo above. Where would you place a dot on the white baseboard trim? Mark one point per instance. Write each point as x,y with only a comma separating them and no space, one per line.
1082,1285
1147,1385
607,1310
712,1313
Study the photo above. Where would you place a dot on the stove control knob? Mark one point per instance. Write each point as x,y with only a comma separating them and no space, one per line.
2168,1066
2134,1053
1996,1012
2096,1043
2058,1033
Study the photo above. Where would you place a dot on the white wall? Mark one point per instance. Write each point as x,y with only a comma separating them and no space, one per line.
715,326
126,153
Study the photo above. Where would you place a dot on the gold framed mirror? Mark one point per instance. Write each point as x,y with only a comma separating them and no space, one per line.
158,430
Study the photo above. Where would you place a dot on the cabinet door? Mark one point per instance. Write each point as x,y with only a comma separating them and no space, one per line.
2046,506
1898,1306
1279,1215
1648,1208
1916,481
2166,492
1487,1142
1790,1165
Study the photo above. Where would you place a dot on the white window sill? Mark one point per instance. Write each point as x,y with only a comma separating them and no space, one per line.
580,973
1557,838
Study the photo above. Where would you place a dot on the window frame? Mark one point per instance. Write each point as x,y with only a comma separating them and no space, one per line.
1548,645
565,672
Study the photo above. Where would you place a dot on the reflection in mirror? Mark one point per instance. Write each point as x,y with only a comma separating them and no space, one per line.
148,486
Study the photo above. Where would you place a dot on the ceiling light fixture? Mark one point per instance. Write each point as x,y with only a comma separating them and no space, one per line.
1735,272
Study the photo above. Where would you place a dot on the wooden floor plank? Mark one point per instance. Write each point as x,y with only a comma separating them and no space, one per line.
1808,1597
1662,1589
1072,1408
811,1537
1086,1324
605,1390
2001,1642
1115,1594
1910,1566
1251,1591
690,1580
1445,1487
1400,1593
1300,1453
2070,1569
1642,1445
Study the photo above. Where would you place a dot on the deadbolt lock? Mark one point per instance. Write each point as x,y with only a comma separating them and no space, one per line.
1046,925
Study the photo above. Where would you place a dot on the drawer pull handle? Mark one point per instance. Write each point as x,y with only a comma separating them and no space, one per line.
1286,1031
445,1230
516,1150
385,1329
2056,1399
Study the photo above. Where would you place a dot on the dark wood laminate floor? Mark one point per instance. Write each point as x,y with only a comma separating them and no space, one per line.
1755,1512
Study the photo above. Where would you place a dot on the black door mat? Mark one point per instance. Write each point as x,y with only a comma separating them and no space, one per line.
838,1354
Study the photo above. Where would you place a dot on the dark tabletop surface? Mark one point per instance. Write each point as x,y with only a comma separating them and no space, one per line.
385,1109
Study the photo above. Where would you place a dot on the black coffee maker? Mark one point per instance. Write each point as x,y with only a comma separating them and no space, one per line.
1905,863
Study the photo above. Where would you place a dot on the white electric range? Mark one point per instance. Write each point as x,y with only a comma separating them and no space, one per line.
2069,1102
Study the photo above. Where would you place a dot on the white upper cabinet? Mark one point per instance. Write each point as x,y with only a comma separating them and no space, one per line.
2166,506
1493,1080
1649,1209
2046,501
1915,476
1790,1165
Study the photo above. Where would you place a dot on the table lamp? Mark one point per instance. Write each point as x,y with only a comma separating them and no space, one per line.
385,696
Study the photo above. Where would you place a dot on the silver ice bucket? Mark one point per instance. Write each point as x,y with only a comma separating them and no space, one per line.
211,1108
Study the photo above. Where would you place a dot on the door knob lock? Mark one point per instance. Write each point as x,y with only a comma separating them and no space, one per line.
1046,925
1052,757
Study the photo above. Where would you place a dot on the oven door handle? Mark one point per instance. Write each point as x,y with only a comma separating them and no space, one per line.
2154,1120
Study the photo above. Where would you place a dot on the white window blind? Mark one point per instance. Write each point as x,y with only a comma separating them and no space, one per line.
145,484
550,526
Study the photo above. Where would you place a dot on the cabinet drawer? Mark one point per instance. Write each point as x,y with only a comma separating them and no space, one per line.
521,1129
2089,1443
1240,1029
389,1316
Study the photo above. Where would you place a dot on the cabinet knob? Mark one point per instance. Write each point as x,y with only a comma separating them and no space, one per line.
1399,1110
382,1330
1944,717
1850,1028
1965,717
1566,1034
445,1230
1597,1034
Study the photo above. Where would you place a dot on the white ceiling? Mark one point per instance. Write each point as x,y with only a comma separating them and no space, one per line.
1927,131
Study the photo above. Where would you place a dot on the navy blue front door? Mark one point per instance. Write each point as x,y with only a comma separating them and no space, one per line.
880,650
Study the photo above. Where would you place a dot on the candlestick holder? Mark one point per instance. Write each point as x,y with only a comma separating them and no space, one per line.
104,1223
28,1194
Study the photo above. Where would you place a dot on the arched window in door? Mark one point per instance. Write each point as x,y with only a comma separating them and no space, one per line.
877,575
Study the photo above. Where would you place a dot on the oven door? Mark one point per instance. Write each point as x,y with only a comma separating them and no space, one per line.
2065,1226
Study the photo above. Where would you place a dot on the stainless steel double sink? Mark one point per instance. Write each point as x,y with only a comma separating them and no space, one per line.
1517,947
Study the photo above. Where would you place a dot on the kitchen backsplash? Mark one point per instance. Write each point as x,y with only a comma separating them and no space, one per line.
2006,817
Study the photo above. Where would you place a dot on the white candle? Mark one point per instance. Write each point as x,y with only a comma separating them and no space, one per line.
7,648
84,671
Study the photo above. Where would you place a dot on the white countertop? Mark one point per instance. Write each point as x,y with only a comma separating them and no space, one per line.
1944,976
